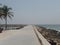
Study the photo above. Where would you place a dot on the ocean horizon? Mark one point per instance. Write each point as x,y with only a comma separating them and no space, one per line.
51,26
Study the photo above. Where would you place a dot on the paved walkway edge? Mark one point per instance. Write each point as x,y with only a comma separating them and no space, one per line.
41,39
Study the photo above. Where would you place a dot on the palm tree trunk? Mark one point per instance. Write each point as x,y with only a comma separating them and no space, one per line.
6,23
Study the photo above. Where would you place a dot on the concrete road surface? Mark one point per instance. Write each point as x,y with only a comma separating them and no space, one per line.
24,36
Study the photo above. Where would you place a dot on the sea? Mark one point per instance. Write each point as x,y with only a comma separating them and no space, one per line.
52,26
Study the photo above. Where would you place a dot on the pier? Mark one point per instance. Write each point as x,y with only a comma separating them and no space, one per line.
25,36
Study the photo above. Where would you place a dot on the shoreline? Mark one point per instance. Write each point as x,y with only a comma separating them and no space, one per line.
50,33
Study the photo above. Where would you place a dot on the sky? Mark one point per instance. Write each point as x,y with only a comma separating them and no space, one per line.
33,11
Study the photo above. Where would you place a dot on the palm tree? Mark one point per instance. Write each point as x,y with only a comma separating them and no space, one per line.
0,11
6,13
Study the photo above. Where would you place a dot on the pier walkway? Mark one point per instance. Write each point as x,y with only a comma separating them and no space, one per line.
24,36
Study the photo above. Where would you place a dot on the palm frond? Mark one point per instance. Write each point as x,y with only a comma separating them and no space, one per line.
10,16
1,17
10,13
10,8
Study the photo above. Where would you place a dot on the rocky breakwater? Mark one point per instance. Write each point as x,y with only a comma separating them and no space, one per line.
50,34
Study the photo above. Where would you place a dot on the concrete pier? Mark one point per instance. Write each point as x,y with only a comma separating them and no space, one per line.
24,36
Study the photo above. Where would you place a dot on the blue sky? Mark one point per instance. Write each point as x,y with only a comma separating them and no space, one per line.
34,11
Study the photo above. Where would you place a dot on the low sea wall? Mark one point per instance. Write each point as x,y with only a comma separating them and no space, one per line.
41,39
12,26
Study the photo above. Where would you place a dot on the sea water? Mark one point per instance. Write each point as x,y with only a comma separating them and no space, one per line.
51,26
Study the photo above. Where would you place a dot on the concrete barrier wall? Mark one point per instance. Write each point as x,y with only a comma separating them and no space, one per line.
42,40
